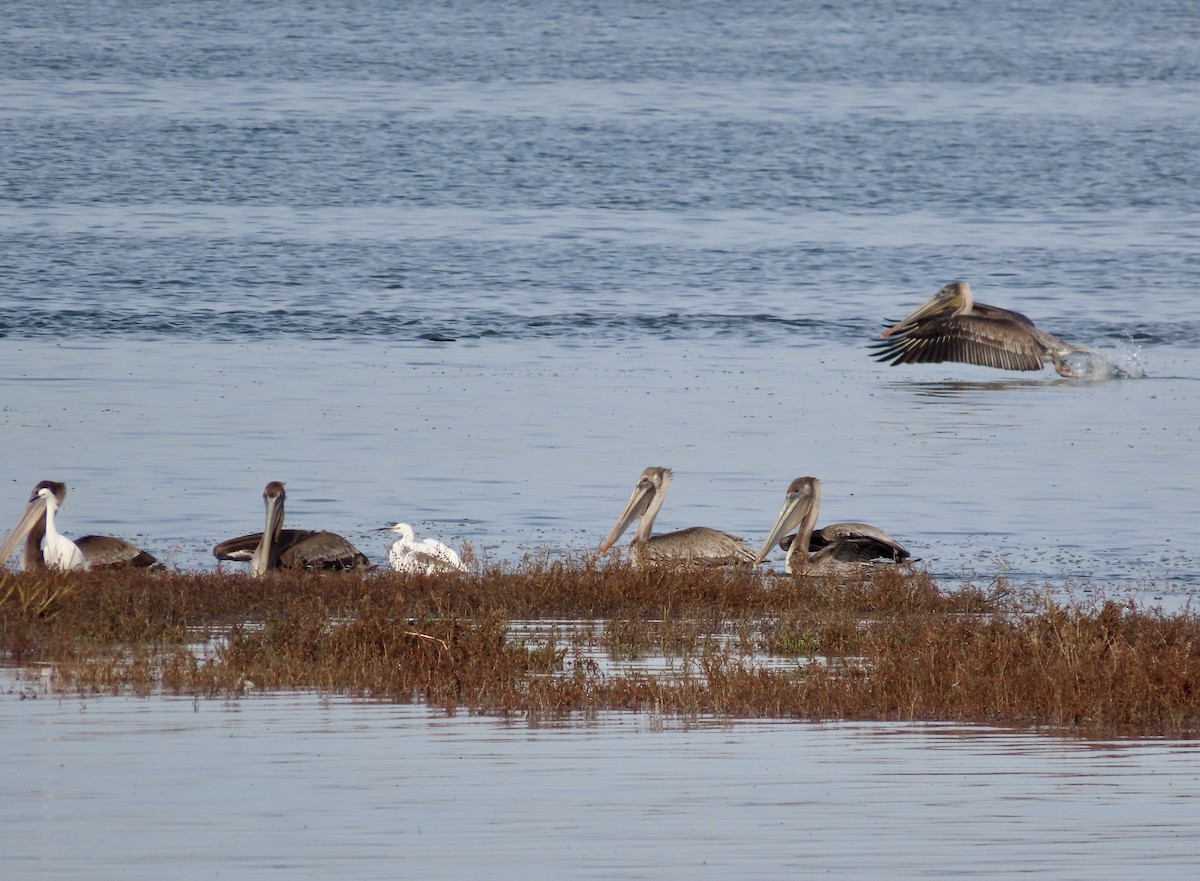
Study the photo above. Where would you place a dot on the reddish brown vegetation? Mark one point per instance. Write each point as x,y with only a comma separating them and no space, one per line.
893,646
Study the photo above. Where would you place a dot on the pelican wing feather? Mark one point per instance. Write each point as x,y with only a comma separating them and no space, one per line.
241,549
321,550
858,543
988,337
694,546
109,552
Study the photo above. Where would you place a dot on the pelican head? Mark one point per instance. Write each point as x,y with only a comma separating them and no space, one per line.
800,506
645,500
266,555
952,299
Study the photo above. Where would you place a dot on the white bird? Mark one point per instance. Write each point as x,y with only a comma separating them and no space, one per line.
424,557
58,551
99,551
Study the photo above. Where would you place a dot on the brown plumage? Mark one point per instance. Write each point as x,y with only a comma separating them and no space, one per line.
952,326
99,551
279,548
852,541
696,546
840,548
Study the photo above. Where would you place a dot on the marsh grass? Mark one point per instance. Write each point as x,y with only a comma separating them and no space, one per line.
32,596
891,646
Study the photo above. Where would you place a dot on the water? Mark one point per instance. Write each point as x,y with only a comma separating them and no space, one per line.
474,266
234,243
294,786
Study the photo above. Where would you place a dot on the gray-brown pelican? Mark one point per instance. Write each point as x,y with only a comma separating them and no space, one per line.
279,548
951,326
839,547
44,544
424,557
697,546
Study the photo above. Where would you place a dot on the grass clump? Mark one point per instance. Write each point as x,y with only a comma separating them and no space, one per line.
894,645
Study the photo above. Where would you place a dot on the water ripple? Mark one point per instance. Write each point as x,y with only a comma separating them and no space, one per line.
325,323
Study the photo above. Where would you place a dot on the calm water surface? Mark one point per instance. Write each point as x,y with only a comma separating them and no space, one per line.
290,785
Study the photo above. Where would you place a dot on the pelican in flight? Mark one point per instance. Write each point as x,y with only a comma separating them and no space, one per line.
46,546
951,326
279,548
424,557
839,547
697,546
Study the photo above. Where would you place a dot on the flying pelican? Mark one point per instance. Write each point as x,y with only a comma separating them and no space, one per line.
698,546
840,547
951,326
34,528
424,557
279,548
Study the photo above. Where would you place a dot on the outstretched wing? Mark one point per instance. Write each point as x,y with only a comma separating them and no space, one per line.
989,340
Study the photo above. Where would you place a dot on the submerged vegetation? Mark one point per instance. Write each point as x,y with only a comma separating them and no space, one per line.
548,639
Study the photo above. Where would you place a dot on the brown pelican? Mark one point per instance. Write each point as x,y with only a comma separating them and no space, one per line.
424,557
697,546
840,547
951,326
279,548
43,543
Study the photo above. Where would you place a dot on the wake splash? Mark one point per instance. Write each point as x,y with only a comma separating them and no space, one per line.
1094,366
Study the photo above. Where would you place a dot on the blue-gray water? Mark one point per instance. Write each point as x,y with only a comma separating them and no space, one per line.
292,786
231,233
658,234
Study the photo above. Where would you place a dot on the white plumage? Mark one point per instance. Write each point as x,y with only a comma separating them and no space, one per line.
58,551
423,557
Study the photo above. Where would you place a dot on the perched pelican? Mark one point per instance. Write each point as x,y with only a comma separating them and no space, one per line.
424,557
35,529
697,546
279,548
840,547
951,326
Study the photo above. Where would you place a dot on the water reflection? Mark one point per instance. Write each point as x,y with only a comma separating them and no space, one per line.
1099,371
956,389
